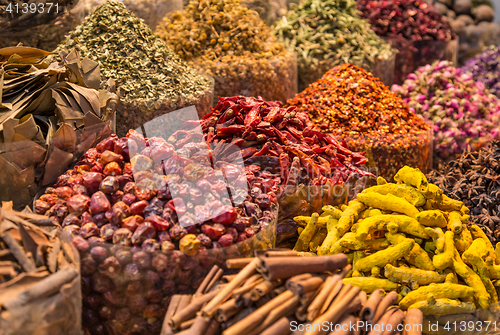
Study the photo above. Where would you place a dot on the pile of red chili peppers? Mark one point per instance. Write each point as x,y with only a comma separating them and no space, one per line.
279,146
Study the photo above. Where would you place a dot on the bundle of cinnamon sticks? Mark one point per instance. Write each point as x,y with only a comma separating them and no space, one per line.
280,293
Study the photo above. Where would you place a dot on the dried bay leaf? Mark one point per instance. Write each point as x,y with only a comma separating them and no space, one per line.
56,165
65,138
27,127
53,255
24,53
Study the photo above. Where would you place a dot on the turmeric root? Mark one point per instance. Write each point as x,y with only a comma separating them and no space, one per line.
445,203
445,259
444,306
416,256
304,220
482,245
463,240
407,225
381,181
331,237
370,284
383,257
404,191
432,218
437,236
412,177
433,192
349,216
473,258
473,280
396,223
371,212
439,291
493,269
455,222
388,202
412,276
307,234
333,211
350,241
317,240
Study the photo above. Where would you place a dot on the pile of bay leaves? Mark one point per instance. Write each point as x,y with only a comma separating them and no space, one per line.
50,114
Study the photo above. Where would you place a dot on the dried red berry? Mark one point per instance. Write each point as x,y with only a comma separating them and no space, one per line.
132,222
78,204
138,207
89,229
109,185
129,199
40,206
142,259
92,180
109,156
112,169
225,240
122,236
214,231
99,203
107,231
142,233
110,267
80,244
159,223
64,192
227,215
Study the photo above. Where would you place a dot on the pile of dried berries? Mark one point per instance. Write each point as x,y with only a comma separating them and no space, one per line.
462,111
474,178
233,45
150,218
485,68
151,79
343,38
351,103
416,29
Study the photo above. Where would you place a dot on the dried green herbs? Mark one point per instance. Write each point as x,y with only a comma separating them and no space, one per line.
357,107
328,33
235,46
151,79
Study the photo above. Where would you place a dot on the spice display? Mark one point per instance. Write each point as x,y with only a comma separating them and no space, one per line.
285,158
50,114
398,242
352,104
462,111
150,217
270,291
39,276
471,178
473,22
151,79
235,47
151,11
485,68
416,29
343,38
269,10
43,29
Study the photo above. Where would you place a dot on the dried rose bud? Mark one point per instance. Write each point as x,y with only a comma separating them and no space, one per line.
71,219
129,199
141,163
78,204
132,272
109,185
189,244
107,231
88,265
101,283
214,231
89,229
92,180
142,259
132,222
99,203
150,245
109,156
225,240
40,207
123,237
110,267
80,244
138,207
167,247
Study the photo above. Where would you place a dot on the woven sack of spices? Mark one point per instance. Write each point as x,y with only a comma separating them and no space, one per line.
416,29
150,78
39,276
234,46
360,110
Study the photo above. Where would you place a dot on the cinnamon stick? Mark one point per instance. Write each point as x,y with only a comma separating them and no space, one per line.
18,252
413,322
184,302
395,319
210,309
214,280
307,285
206,281
227,310
364,297
238,263
337,290
213,328
368,311
186,324
305,298
280,253
379,327
388,300
334,312
262,289
280,327
291,282
172,307
301,312
276,314
355,304
278,290
227,278
190,310
285,267
313,311
249,284
252,321
199,326
344,325
244,300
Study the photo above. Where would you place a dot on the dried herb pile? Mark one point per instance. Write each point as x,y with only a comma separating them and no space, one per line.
148,74
325,34
49,115
234,45
351,103
485,67
474,178
413,20
462,111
